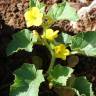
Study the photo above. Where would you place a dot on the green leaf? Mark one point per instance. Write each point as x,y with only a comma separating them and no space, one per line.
21,41
27,81
83,86
85,43
60,74
41,6
69,13
32,3
63,11
37,3
64,38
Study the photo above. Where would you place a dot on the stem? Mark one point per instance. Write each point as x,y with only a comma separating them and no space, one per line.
53,56
52,62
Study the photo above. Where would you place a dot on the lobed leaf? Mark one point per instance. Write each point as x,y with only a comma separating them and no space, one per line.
83,86
27,81
60,74
63,11
64,38
22,40
84,43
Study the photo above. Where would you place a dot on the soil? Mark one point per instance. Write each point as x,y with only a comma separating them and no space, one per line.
12,21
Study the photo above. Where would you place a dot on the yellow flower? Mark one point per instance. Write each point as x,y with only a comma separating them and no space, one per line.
61,51
50,34
33,17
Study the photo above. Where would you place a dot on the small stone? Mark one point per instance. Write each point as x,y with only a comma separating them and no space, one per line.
72,60
19,5
11,22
